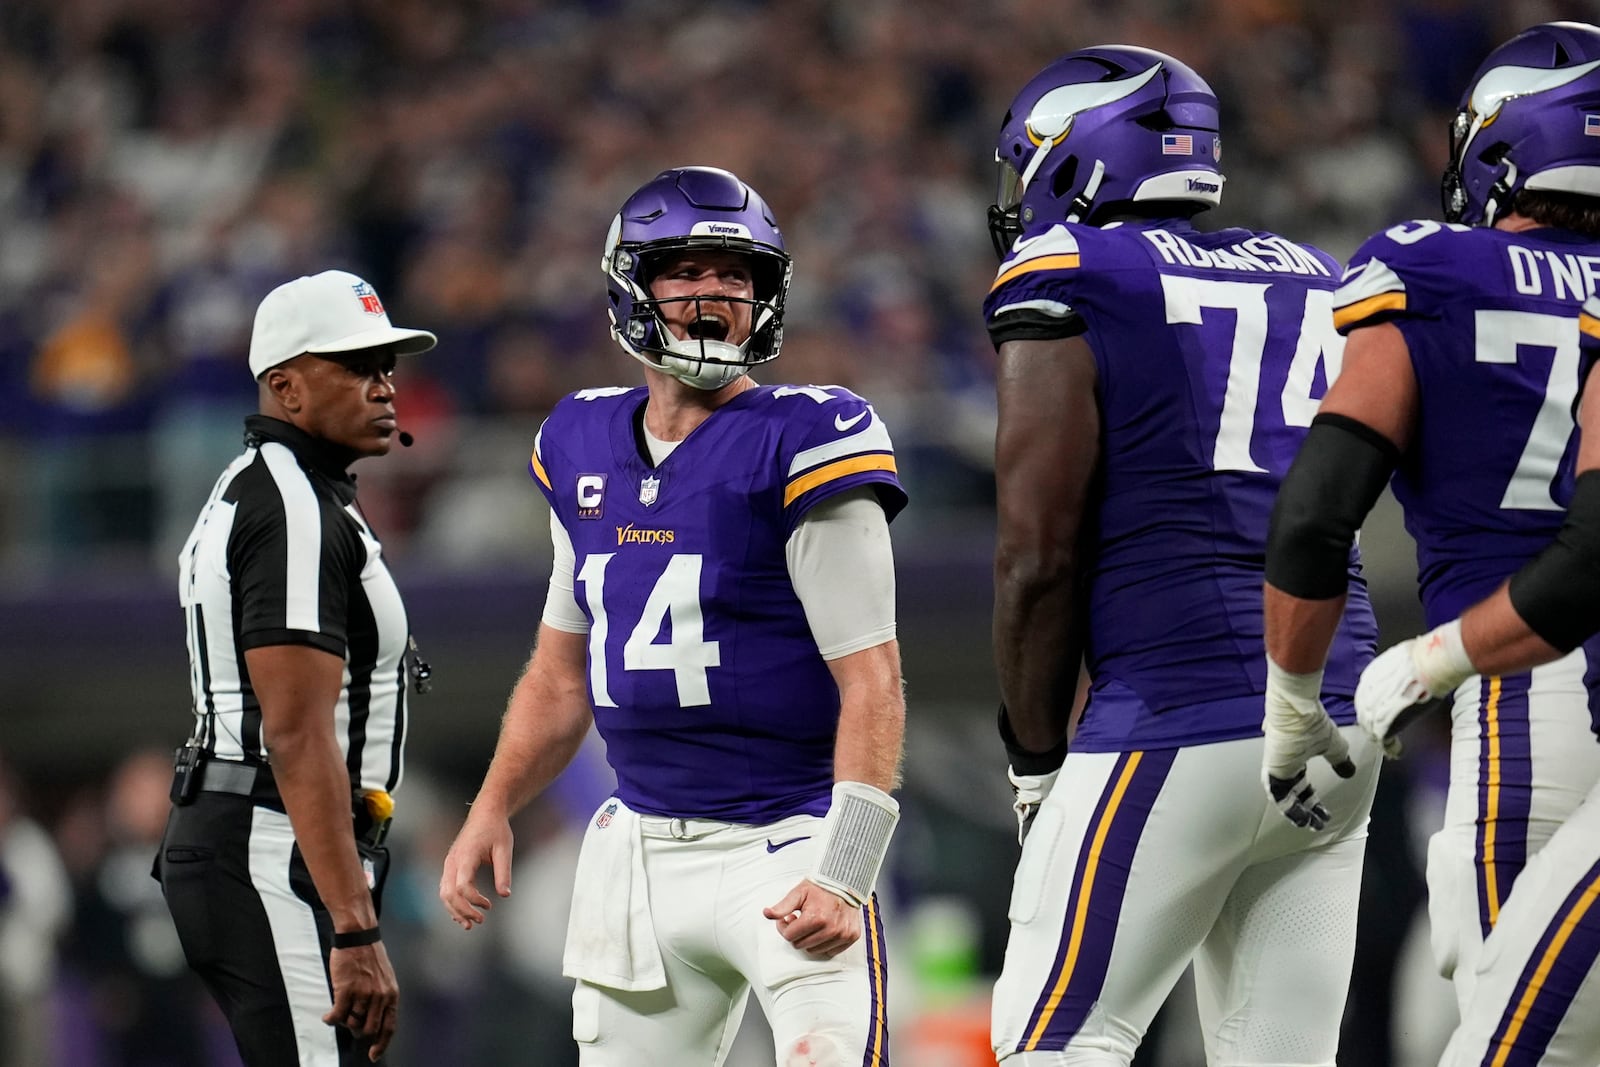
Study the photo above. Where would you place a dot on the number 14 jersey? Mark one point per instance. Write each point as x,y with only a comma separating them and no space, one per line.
706,681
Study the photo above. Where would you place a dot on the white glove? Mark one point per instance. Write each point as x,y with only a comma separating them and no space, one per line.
1298,728
1029,791
1411,673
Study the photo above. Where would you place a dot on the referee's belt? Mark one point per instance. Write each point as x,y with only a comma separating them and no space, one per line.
372,809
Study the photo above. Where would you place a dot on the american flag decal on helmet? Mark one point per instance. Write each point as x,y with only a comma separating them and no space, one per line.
369,299
1591,125
1177,144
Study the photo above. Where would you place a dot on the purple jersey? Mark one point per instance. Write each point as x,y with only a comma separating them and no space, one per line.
1489,318
1212,351
706,683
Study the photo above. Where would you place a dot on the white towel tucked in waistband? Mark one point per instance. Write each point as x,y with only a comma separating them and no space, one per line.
611,940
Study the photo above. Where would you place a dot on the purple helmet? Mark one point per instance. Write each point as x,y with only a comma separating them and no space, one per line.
1529,120
694,208
1104,127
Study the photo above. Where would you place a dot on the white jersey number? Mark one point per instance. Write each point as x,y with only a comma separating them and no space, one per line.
675,598
1187,300
1497,338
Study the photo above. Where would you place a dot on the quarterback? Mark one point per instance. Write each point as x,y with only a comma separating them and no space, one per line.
721,608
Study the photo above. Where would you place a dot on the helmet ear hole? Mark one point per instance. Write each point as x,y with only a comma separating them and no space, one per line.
1065,177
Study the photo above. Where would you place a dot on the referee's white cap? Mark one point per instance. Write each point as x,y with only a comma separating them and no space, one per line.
334,311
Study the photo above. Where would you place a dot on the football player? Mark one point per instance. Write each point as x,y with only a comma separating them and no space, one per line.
1460,376
721,607
1154,383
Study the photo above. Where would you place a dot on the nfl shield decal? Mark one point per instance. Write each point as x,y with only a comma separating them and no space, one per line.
649,489
369,299
604,819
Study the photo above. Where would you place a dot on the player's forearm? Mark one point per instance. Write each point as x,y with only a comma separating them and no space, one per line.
1036,645
1498,641
872,718
1300,632
545,722
312,779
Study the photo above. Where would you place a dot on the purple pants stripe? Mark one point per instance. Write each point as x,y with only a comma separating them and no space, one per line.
1099,885
877,1054
1550,980
1505,789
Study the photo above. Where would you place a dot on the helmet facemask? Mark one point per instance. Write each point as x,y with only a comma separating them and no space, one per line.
679,214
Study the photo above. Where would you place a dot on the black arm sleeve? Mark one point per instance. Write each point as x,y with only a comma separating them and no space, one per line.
1337,477
1557,593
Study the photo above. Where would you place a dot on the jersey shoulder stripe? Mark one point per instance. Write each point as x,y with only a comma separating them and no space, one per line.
1055,249
1589,321
798,487
832,441
536,463
1368,291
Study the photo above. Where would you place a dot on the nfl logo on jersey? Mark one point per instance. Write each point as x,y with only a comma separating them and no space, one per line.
649,489
604,819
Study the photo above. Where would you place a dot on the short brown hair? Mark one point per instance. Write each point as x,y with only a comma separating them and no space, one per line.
1565,211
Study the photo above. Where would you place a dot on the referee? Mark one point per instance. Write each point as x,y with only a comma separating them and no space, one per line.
300,658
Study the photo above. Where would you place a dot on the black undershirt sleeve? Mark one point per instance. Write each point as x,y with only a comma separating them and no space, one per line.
1028,324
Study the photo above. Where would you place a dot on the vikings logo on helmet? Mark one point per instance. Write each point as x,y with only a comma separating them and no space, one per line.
1100,127
1523,124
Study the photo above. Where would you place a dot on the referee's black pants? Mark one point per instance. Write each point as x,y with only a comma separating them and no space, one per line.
254,929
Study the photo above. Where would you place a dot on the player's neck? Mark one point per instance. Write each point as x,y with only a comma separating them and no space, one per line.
1515,223
675,410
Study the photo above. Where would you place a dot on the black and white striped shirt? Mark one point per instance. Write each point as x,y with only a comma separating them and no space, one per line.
280,555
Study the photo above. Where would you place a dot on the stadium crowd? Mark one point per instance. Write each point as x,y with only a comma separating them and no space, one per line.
163,163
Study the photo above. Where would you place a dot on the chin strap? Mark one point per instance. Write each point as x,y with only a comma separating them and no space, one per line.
1082,202
1501,190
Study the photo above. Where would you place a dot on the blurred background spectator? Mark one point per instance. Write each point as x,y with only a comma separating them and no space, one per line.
163,163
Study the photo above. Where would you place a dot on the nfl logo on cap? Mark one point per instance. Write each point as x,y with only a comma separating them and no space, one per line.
369,299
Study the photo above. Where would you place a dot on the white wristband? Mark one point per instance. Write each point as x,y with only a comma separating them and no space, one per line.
1300,689
1441,659
855,838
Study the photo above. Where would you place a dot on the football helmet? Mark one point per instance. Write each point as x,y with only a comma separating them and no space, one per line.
685,209
1102,127
1530,119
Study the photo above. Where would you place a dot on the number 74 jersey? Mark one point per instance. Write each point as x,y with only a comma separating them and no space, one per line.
706,682
1212,352
1490,319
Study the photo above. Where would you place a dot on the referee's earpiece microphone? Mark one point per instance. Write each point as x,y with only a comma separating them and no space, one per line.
405,439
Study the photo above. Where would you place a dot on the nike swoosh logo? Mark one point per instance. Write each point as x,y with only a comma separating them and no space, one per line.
785,844
841,423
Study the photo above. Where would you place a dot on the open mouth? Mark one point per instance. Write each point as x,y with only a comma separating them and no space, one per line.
707,328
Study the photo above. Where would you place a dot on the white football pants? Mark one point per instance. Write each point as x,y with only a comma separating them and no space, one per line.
1522,758
708,883
1139,863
